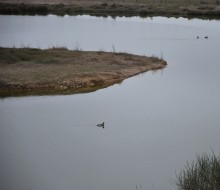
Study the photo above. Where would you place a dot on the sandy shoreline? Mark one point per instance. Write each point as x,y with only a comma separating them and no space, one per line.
33,71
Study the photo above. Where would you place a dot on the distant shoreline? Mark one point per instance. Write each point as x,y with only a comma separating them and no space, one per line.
108,8
28,71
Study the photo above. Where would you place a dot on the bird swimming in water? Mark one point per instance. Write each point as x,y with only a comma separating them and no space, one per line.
197,37
206,37
101,125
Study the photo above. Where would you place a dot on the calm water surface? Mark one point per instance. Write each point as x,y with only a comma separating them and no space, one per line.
154,121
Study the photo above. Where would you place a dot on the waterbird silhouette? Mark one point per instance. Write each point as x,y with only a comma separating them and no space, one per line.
206,37
197,37
101,125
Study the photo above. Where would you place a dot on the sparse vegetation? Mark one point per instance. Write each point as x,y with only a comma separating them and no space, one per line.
58,70
187,8
202,174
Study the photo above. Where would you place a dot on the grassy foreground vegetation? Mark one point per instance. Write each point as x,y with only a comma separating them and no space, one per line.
201,174
59,70
186,8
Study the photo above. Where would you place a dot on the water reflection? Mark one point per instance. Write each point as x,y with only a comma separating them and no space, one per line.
133,35
156,121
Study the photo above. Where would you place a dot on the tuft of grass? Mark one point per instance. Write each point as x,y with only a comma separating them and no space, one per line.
57,47
113,48
77,47
201,174
100,51
155,58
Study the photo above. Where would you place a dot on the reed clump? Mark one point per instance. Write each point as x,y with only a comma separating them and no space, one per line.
201,174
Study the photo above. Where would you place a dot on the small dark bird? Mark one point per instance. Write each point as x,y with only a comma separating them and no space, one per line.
197,37
101,125
206,37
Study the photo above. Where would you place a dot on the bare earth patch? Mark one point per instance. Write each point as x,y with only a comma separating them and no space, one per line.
27,71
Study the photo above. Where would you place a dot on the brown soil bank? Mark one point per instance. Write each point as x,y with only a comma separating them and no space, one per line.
34,71
186,8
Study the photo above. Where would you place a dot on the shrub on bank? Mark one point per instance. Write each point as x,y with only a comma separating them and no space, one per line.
23,9
202,174
42,9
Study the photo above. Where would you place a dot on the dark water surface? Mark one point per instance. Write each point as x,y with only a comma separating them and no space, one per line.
154,121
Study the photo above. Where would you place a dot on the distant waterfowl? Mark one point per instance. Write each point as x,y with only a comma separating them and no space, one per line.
206,37
101,125
197,37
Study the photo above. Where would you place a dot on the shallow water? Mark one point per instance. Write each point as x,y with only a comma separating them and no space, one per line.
154,121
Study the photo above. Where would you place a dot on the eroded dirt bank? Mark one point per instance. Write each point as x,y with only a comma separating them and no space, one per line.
58,70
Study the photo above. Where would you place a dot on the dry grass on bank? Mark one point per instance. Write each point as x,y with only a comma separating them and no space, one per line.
68,2
59,69
185,8
201,174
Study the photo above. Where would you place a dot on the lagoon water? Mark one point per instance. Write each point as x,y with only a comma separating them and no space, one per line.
155,122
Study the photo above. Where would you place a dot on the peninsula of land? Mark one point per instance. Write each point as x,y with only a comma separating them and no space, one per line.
25,71
183,8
